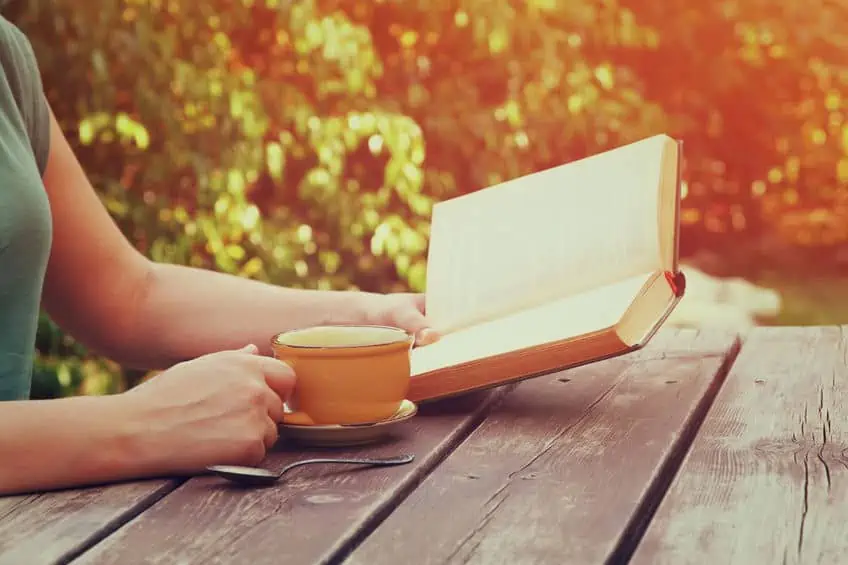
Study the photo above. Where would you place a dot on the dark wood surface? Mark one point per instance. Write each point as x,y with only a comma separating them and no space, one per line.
316,514
8,503
766,480
558,469
684,452
55,527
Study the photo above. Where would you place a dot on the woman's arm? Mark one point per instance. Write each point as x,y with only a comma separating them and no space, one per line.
175,424
188,312
114,300
49,444
95,279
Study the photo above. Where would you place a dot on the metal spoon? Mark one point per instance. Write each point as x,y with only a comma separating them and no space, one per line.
256,476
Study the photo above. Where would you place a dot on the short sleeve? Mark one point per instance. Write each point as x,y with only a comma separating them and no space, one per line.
37,113
28,91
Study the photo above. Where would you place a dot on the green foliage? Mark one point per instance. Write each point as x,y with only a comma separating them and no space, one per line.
304,143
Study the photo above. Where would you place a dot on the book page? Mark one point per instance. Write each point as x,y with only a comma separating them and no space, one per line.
545,236
566,318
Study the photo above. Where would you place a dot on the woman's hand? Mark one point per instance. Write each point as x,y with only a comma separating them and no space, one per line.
402,310
221,408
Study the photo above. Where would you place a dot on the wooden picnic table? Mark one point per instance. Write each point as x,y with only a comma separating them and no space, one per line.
702,448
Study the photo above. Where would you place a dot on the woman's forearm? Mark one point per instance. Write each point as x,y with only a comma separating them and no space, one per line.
49,444
177,423
188,312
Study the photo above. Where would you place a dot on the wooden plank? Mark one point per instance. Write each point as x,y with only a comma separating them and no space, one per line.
766,481
57,526
558,469
10,502
314,514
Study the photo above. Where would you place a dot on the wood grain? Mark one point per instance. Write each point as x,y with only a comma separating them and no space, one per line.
55,527
766,480
10,502
7,503
316,513
556,472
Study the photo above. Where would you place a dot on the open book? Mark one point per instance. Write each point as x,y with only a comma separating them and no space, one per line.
552,270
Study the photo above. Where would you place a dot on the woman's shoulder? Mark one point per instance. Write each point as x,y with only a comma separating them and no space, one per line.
19,67
16,54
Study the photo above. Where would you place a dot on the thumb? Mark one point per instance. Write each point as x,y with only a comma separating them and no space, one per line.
250,348
412,320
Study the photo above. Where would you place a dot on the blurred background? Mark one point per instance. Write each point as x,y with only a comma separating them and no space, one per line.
305,142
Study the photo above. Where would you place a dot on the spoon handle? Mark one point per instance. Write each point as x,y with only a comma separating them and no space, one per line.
397,460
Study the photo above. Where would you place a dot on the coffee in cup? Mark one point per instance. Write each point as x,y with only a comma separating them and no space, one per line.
346,374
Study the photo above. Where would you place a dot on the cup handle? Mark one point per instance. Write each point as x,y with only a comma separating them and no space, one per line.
297,419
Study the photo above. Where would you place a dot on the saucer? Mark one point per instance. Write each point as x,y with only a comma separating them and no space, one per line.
343,435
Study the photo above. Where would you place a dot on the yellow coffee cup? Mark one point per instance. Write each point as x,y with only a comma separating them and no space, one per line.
346,374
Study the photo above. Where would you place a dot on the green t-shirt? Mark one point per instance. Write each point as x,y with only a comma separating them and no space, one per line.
26,229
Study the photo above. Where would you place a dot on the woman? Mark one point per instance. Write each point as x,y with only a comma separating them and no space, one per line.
221,397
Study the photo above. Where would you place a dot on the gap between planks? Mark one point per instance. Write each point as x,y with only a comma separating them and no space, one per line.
373,521
767,477
541,480
208,521
635,529
656,491
55,527
342,547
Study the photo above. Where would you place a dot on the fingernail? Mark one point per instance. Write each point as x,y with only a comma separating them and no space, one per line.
250,348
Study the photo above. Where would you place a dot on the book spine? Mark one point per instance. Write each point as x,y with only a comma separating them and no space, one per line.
677,282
